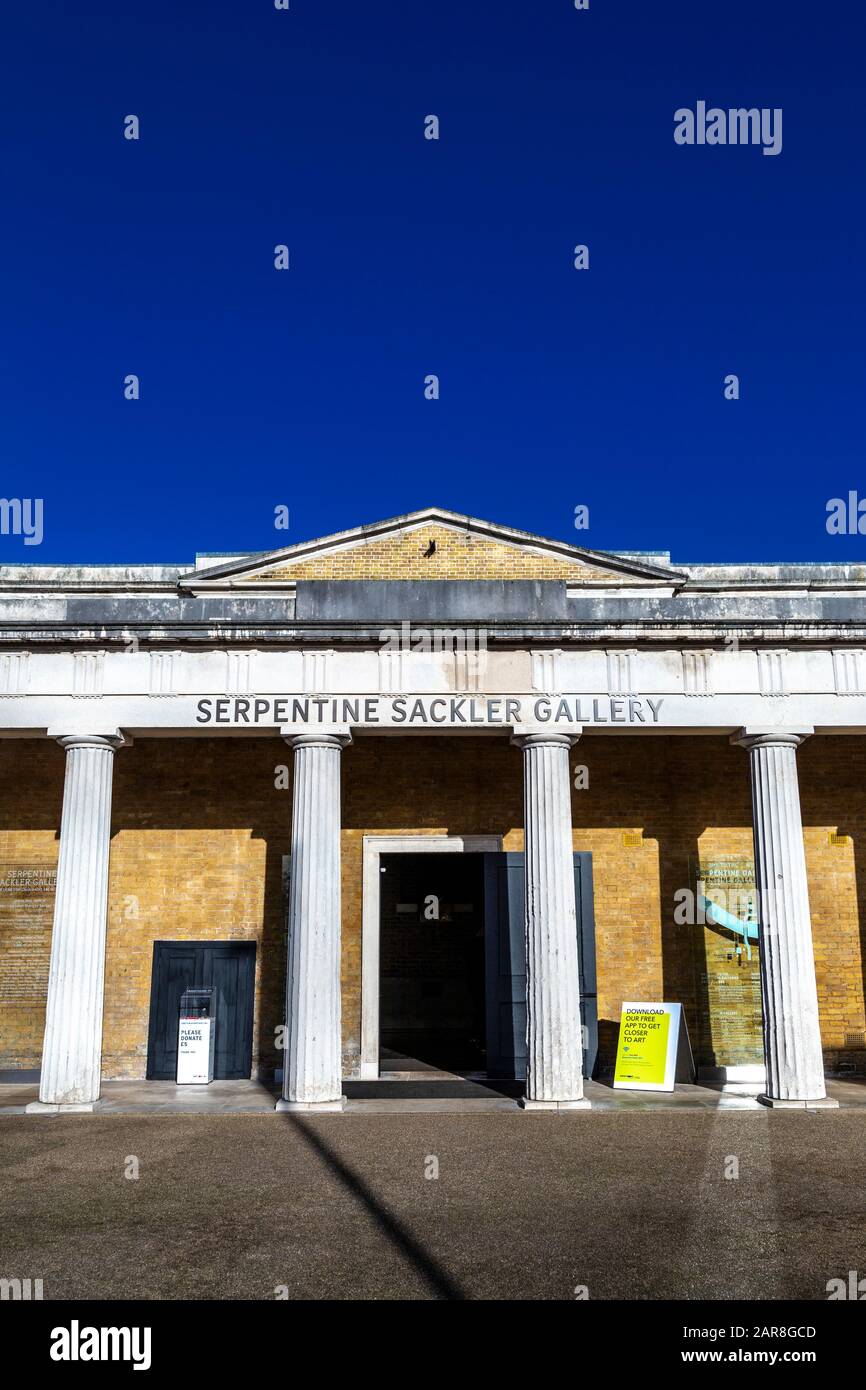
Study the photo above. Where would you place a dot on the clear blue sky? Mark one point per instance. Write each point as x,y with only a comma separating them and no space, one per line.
408,257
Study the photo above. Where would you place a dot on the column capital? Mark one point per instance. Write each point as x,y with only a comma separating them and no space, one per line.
530,736
114,740
756,737
335,736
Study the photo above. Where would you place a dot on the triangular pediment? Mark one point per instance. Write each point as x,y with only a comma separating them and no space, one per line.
433,544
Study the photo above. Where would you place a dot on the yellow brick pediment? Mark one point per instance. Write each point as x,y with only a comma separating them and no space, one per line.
435,545
435,552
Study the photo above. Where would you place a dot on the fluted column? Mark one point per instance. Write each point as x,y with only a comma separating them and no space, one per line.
554,1060
312,1071
792,1035
72,1046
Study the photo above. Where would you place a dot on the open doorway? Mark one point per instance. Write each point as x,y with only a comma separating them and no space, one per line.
432,1009
447,992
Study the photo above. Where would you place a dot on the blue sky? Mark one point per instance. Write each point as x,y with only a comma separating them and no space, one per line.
305,388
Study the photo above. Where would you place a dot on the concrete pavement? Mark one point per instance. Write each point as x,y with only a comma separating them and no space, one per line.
674,1203
440,1093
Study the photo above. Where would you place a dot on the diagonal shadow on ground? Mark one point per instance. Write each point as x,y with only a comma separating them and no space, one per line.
439,1281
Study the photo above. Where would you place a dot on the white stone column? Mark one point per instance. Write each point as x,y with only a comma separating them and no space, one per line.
72,1047
792,1036
554,1044
312,1072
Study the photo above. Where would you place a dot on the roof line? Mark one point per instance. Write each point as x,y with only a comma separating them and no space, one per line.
599,558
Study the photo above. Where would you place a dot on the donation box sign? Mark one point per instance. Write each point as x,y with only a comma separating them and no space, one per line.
193,1051
646,1056
195,1038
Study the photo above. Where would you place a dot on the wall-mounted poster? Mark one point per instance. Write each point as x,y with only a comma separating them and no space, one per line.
26,912
726,962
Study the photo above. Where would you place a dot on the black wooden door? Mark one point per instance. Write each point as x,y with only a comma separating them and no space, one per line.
227,966
506,962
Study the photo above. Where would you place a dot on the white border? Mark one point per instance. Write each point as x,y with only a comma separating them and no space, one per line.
374,847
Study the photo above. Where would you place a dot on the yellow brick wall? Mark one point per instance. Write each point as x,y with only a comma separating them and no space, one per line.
31,790
833,798
458,555
200,830
682,798
199,834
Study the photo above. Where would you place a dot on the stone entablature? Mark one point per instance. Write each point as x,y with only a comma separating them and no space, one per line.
672,689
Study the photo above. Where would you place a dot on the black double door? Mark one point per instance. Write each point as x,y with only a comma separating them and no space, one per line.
228,967
506,962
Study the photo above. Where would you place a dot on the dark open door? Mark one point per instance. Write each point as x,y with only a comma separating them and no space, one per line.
506,962
230,968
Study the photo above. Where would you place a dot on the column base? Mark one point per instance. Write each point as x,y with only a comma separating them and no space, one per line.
43,1107
311,1107
774,1103
583,1104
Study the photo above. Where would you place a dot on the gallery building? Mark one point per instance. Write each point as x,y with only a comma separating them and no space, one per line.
435,789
